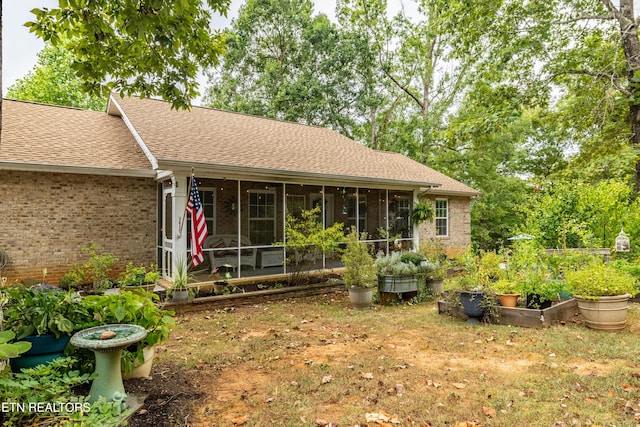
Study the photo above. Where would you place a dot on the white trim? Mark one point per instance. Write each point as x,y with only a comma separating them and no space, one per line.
435,218
134,132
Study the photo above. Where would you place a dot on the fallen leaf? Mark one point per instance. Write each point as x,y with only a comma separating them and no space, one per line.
400,389
366,375
489,412
240,420
327,379
627,387
433,384
459,385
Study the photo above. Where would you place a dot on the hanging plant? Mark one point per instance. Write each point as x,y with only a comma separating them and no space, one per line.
422,211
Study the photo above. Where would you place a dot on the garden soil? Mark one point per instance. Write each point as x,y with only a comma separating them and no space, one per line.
189,397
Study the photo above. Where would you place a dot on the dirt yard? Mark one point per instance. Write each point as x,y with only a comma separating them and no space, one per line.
317,362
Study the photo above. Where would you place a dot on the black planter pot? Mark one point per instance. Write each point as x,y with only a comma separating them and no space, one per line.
471,305
533,301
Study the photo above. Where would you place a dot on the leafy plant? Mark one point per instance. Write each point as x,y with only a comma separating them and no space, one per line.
506,286
422,211
73,278
98,267
402,264
138,275
10,349
360,271
53,382
599,279
132,308
43,309
307,239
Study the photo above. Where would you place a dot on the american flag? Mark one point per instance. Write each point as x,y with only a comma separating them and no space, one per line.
198,224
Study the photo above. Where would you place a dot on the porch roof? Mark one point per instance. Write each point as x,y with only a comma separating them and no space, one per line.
52,138
211,139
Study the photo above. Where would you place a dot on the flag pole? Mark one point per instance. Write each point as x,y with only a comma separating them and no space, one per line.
186,204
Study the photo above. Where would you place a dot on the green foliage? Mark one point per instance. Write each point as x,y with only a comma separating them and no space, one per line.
138,275
8,349
506,286
360,271
53,81
282,62
422,211
307,239
599,279
128,47
51,383
43,309
137,308
572,215
98,266
402,264
73,278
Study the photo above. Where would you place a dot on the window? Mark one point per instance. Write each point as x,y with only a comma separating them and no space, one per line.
442,218
362,212
262,217
295,205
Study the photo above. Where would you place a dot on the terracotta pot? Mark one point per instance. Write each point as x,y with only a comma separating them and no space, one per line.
509,300
607,313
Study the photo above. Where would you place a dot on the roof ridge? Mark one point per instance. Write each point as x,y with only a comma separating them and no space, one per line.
204,107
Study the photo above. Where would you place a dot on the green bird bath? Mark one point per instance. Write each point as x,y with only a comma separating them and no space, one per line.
107,342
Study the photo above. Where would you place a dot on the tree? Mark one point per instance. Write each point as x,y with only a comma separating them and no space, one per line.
53,81
282,62
130,46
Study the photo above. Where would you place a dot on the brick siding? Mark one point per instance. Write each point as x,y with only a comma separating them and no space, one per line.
47,218
459,237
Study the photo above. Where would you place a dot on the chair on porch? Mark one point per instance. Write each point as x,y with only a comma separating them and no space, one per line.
221,256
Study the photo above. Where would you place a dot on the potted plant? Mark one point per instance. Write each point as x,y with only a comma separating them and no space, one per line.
220,285
422,211
603,293
508,291
401,272
98,267
180,290
137,277
359,270
464,290
138,309
45,316
436,278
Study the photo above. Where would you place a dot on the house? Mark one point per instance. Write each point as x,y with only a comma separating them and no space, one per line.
121,177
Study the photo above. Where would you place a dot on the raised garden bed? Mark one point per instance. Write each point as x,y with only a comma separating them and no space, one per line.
563,312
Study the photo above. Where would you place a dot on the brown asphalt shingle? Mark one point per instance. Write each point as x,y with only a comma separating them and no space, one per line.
51,135
205,135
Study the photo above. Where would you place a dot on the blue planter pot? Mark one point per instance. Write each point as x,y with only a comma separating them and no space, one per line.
471,305
44,349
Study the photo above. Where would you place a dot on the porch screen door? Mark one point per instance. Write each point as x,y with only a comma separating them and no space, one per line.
167,230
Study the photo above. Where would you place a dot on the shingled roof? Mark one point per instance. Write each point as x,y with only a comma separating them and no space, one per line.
234,141
46,137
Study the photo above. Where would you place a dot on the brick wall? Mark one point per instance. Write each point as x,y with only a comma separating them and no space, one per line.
47,218
459,237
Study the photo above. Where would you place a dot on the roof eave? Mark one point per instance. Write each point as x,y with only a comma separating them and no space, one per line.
279,175
75,169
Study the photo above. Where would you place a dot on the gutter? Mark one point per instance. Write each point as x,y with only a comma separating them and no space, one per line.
286,176
75,169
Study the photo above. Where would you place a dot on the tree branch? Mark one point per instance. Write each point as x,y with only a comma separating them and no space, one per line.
603,76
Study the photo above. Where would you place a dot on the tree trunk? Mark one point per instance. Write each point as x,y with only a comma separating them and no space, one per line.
631,47
1,73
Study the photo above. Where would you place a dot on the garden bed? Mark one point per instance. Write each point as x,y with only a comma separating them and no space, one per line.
563,312
251,297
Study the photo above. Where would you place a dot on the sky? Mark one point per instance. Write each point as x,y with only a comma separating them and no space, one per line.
20,47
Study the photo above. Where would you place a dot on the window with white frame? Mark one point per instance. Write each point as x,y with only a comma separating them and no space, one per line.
262,217
442,217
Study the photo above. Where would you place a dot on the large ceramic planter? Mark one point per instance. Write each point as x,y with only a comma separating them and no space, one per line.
508,300
607,313
472,305
142,370
398,284
361,297
44,349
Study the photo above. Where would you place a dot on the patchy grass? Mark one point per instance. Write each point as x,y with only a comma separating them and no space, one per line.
315,361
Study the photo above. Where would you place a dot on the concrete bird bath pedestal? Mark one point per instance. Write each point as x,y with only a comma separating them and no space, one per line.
107,342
